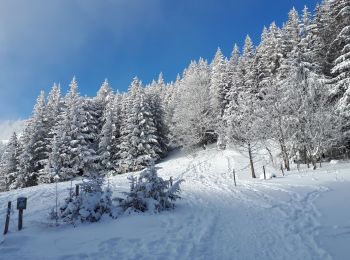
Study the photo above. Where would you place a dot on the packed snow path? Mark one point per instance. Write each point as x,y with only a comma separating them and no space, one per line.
258,219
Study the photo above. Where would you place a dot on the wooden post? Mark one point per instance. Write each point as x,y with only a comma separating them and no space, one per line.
171,181
77,190
71,191
282,169
234,177
20,219
298,166
56,214
7,217
264,172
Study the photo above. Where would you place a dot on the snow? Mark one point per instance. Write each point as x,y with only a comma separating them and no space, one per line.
334,162
301,215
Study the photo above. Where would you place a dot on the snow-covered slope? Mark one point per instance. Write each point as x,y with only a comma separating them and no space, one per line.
302,215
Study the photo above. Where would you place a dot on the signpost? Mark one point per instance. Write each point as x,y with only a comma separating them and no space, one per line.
21,205
7,218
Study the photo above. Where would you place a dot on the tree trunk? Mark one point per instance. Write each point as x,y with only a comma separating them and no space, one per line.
284,155
307,157
271,157
251,161
283,146
314,163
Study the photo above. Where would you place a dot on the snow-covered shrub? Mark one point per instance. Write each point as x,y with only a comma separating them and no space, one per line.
150,193
89,205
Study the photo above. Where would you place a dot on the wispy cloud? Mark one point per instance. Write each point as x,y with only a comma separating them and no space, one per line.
8,127
46,41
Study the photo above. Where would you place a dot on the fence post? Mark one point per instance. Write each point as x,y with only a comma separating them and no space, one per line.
77,190
282,169
7,222
20,219
234,177
171,181
264,172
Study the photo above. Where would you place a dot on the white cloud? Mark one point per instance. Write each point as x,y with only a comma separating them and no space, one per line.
8,127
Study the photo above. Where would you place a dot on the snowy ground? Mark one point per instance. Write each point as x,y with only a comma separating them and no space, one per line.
303,215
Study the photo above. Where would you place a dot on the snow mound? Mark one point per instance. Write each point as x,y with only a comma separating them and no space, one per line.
268,176
334,162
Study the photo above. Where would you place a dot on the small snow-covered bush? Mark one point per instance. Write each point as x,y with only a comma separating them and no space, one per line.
150,193
89,205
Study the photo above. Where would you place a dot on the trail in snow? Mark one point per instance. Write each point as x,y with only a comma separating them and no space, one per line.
254,222
274,219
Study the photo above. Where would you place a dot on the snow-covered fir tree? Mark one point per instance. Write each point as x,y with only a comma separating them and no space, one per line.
9,163
72,138
150,192
107,139
138,146
33,146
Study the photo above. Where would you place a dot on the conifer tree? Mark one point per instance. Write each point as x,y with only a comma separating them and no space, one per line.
34,146
107,139
9,163
218,85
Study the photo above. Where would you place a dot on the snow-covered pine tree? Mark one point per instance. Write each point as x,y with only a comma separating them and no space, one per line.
149,148
107,139
34,147
268,58
118,118
129,131
343,109
218,85
150,193
340,50
290,38
53,107
290,32
94,109
243,123
232,68
52,112
138,141
2,148
91,204
103,97
9,163
323,35
170,105
154,94
76,155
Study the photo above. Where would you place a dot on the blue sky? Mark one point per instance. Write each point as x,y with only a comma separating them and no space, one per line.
42,42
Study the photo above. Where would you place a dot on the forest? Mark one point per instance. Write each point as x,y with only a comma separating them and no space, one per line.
291,89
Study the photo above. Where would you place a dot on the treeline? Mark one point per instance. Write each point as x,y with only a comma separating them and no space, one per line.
293,88
73,136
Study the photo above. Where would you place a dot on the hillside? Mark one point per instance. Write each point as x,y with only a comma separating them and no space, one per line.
297,216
